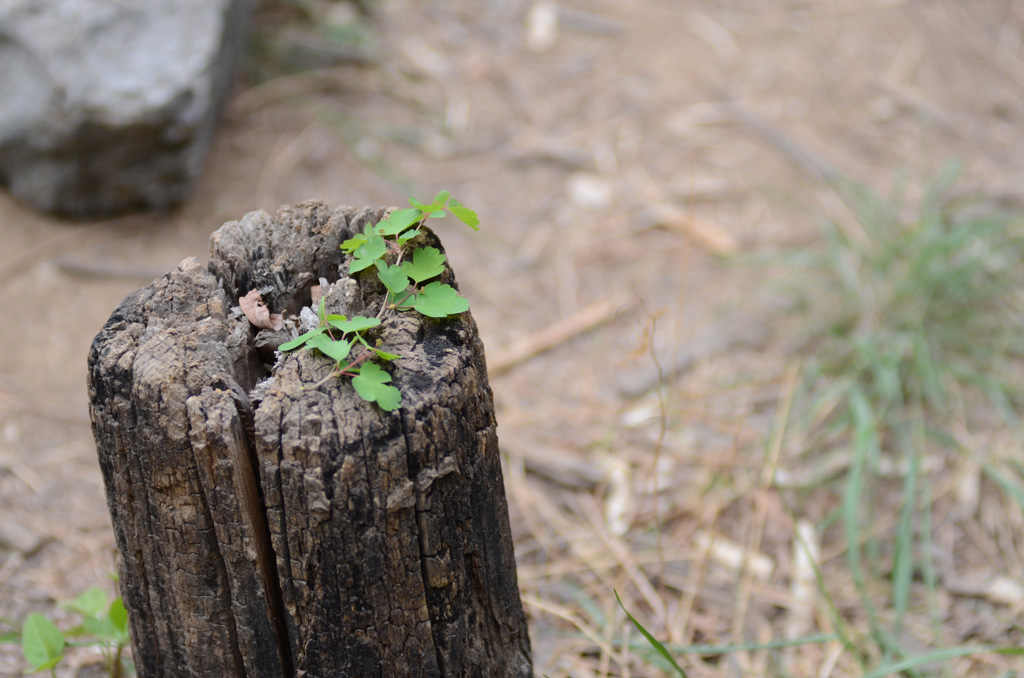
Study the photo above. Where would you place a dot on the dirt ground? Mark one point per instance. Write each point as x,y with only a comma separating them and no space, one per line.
626,165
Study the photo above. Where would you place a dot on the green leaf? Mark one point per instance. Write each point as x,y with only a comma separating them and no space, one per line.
398,221
937,656
655,643
384,355
371,385
401,299
357,265
41,642
110,625
101,628
90,603
435,209
118,616
408,235
464,214
437,301
440,199
357,323
367,253
335,350
301,339
426,263
76,631
353,243
393,277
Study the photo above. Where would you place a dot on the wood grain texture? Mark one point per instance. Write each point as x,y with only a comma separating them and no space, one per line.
307,532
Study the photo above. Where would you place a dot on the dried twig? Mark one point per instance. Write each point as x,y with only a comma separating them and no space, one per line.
705,234
798,154
533,345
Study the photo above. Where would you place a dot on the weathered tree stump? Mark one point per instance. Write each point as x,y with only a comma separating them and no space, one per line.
297,529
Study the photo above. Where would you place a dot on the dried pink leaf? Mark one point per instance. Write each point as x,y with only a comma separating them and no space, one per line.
316,292
257,312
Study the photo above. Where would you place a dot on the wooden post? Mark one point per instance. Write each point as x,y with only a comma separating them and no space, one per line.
288,529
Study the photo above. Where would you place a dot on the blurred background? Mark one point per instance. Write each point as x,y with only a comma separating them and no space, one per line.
749,279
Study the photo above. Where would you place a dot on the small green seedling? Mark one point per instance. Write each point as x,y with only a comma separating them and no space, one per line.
41,642
404,272
104,624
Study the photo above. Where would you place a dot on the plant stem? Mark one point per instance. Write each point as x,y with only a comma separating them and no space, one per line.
384,306
399,304
333,373
363,357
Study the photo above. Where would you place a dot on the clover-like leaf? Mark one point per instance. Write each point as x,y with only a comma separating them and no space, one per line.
437,301
426,263
336,350
440,199
398,221
354,243
41,642
434,208
356,323
358,264
393,277
367,253
399,299
464,214
372,386
408,235
301,339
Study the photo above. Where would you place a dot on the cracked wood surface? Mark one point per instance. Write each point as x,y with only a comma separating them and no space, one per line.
306,532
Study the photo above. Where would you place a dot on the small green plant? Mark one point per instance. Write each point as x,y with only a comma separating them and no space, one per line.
662,656
915,306
654,642
404,271
104,624
918,314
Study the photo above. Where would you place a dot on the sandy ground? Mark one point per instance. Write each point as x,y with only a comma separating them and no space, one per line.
624,166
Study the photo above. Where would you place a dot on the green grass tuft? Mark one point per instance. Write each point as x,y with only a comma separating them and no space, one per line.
915,313
914,307
917,328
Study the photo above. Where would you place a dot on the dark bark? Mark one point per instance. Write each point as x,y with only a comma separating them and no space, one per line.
301,531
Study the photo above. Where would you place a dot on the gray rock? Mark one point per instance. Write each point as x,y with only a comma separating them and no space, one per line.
110,107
